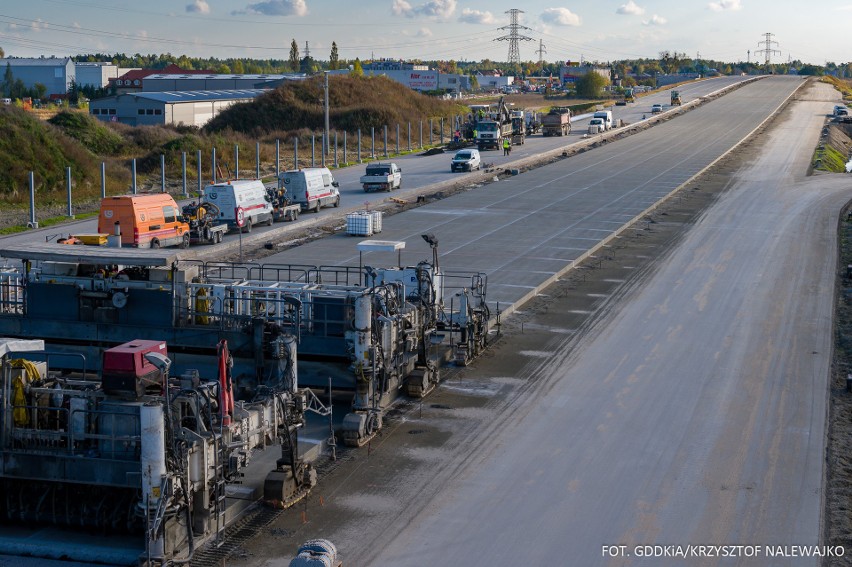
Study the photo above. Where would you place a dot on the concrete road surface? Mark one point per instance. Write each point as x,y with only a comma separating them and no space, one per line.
525,230
695,414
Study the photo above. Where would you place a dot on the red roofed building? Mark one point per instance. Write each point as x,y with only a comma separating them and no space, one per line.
131,81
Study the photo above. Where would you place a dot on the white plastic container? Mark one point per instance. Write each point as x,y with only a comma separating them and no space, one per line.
377,221
359,223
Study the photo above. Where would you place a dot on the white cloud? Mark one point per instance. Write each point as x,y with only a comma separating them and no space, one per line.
725,5
76,25
436,9
424,32
630,9
38,25
198,7
142,34
560,17
846,8
469,16
441,9
277,8
402,8
655,21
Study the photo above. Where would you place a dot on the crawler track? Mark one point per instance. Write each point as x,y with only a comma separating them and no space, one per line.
241,532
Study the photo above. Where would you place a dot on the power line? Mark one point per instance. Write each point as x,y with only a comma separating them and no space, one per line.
513,37
767,51
541,51
90,32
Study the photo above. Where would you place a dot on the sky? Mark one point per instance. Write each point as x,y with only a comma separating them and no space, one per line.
461,30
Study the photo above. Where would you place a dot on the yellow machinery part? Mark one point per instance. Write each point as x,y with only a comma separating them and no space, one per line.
19,398
202,305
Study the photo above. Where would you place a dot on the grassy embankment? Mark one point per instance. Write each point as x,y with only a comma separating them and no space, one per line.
833,152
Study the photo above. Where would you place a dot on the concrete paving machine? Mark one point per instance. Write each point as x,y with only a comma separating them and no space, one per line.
388,329
138,450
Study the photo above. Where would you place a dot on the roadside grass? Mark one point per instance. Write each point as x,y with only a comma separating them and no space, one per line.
844,86
48,222
829,159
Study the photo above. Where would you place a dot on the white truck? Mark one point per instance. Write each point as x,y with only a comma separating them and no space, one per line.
606,116
381,177
242,203
597,126
310,188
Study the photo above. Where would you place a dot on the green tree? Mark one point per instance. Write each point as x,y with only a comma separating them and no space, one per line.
40,90
238,68
591,85
294,57
307,65
73,92
18,90
2,53
811,70
474,83
223,69
8,80
357,69
334,58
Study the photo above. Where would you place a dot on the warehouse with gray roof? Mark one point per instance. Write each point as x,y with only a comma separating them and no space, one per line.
55,73
191,108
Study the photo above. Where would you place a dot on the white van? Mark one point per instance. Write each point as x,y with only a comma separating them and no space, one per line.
241,202
606,116
311,187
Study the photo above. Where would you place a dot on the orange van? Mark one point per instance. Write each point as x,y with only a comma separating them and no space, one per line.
146,221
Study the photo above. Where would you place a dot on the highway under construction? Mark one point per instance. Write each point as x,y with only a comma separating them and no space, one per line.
201,364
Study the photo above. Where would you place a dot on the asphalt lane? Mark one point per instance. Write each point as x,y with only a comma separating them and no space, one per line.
694,416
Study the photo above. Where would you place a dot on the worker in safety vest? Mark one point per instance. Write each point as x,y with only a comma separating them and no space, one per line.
507,146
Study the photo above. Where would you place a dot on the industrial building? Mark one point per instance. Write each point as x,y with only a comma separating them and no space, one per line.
96,75
55,73
572,73
162,82
193,108
132,80
416,79
494,81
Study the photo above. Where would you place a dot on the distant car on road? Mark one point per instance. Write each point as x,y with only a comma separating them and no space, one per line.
466,160
657,108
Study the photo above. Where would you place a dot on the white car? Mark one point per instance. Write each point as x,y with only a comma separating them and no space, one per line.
656,109
466,160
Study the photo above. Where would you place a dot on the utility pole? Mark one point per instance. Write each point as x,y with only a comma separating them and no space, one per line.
307,50
767,50
541,51
748,56
514,36
325,88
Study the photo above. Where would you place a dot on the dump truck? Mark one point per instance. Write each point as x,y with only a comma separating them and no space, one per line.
381,177
519,127
204,224
533,123
676,98
491,131
557,122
